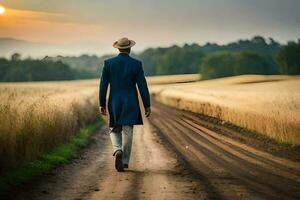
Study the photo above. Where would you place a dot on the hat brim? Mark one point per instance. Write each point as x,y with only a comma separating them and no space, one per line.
131,44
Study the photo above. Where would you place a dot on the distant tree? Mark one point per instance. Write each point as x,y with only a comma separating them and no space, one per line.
151,58
4,67
258,40
272,42
34,70
16,57
249,62
216,65
172,60
289,58
179,60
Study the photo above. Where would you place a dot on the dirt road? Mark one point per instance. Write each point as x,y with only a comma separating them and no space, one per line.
174,157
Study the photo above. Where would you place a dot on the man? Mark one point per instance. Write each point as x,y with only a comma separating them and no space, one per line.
123,73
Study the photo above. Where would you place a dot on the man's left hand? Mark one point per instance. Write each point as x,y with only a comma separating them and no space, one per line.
102,110
147,111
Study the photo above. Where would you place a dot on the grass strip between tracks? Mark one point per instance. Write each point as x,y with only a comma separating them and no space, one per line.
62,154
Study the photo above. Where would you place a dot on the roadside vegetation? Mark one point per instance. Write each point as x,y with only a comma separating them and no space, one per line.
268,105
36,117
61,154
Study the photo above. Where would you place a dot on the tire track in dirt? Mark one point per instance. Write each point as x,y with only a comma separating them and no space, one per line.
200,124
154,173
174,156
235,170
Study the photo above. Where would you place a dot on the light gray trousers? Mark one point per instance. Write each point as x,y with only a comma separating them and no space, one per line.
121,139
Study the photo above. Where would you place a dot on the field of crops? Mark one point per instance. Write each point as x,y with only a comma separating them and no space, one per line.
266,104
37,116
167,79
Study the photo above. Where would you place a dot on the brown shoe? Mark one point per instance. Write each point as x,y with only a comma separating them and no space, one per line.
118,161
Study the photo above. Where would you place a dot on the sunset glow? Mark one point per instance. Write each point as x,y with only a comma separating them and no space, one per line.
2,10
93,26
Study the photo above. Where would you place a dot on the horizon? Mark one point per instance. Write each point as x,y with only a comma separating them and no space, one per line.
80,27
134,51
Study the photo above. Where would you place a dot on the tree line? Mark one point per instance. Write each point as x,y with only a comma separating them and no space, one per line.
255,56
224,63
16,69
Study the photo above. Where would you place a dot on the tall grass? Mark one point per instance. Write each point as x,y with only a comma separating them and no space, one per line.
178,78
36,117
59,155
269,105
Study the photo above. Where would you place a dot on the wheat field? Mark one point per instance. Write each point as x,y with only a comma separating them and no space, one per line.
266,104
167,79
37,116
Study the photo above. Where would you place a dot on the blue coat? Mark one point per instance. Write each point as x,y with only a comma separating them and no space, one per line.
123,73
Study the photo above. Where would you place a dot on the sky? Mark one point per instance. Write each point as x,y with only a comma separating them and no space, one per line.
150,23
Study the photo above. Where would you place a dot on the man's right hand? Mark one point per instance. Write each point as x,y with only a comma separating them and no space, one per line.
102,110
147,111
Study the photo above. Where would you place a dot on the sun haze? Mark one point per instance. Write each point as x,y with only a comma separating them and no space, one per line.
2,10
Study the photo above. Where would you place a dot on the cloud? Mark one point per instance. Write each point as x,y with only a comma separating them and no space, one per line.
29,15
45,26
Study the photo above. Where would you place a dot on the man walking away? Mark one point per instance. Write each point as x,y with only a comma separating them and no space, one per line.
123,73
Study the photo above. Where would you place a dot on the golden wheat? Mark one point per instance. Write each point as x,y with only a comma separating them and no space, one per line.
35,117
167,79
267,104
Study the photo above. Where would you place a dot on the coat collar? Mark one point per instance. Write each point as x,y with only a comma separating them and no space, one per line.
123,54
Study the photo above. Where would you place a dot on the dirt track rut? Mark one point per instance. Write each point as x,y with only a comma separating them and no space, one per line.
232,169
173,157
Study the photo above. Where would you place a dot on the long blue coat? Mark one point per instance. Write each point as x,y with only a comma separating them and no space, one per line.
123,73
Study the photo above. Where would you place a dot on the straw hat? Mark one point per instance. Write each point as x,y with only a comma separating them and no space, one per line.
123,43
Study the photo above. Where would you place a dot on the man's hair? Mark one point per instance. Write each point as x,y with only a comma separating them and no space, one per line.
125,50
